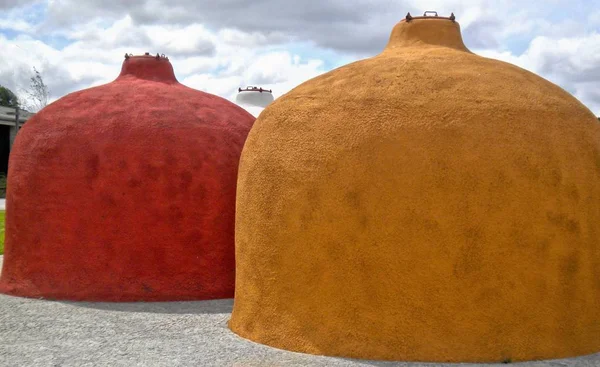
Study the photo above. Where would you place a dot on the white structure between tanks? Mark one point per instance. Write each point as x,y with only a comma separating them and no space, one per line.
254,99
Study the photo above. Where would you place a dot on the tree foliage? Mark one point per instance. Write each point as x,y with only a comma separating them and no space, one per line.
8,98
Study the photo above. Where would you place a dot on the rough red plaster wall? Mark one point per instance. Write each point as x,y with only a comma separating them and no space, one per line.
126,192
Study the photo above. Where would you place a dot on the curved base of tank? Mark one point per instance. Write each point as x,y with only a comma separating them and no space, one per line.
132,292
303,344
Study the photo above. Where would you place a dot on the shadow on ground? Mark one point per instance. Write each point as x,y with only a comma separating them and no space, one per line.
583,361
189,307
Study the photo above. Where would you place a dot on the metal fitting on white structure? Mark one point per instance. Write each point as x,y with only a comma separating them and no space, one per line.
254,97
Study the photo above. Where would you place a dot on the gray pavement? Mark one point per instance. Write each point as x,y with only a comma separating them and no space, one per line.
47,333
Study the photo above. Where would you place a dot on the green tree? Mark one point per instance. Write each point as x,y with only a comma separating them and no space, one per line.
8,98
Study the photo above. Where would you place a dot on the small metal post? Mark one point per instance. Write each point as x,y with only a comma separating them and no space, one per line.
17,119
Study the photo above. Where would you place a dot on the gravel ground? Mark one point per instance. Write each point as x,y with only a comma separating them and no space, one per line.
47,333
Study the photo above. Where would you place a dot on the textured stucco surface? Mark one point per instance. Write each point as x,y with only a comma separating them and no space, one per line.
427,204
45,333
126,192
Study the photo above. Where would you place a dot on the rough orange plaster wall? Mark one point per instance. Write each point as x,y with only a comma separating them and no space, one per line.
426,204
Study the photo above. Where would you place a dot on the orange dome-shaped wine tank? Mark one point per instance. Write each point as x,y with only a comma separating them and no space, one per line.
426,204
126,192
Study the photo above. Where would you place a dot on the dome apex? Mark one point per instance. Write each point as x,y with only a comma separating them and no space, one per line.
426,31
156,68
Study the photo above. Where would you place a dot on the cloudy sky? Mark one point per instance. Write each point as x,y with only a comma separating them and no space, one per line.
220,45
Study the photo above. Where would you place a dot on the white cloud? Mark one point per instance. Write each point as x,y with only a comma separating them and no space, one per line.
15,25
8,4
571,62
216,62
278,71
220,46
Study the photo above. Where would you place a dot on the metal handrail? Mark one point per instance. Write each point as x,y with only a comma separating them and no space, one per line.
409,17
254,89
